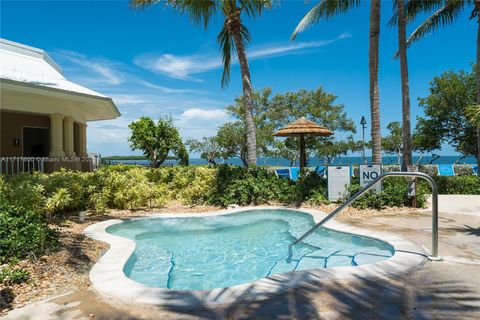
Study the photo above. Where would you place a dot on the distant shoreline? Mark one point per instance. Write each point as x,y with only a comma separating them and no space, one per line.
131,158
140,160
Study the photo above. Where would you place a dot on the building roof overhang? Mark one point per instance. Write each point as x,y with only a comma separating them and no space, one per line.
30,81
20,96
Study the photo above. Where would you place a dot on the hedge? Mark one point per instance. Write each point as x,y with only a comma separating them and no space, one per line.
130,187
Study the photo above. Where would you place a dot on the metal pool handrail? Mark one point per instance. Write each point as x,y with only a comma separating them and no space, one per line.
332,215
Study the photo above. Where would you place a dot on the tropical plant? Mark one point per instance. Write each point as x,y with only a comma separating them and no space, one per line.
326,9
425,138
231,138
473,114
445,117
445,12
393,143
273,112
318,106
23,234
156,141
233,37
329,150
208,148
10,275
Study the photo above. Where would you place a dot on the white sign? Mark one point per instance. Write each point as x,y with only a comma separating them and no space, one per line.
368,173
338,181
412,189
412,186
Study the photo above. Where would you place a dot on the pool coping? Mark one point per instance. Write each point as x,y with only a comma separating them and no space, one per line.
108,278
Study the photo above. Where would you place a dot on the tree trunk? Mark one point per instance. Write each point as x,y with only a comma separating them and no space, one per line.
402,50
477,7
247,100
303,158
373,70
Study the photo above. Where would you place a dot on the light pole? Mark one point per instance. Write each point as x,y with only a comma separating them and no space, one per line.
363,122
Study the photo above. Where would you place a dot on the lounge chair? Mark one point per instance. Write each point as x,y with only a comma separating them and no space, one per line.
294,172
283,173
321,170
446,170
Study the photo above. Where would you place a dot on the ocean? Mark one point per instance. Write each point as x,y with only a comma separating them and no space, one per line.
281,162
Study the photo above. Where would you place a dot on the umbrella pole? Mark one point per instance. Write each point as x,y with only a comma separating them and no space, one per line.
303,159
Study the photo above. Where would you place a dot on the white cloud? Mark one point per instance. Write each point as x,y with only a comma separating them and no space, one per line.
94,69
125,99
176,66
203,114
293,47
197,122
168,90
184,67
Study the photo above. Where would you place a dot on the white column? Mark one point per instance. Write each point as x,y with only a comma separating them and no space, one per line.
56,135
82,139
68,136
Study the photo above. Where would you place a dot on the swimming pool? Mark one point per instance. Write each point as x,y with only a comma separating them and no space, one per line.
214,252
193,260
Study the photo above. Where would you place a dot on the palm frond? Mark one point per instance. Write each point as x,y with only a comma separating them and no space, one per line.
142,3
199,11
227,47
413,8
443,16
325,9
245,35
255,7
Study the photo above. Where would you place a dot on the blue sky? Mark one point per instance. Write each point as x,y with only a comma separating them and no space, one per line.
155,62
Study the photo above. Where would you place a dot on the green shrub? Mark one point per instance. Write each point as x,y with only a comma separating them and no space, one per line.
127,188
133,187
394,194
253,185
23,234
458,185
10,275
58,201
25,190
66,183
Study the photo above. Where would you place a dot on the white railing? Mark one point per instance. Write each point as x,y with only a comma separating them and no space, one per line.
433,184
16,165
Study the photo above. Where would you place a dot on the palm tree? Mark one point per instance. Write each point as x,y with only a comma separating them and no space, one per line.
326,9
445,13
233,37
402,53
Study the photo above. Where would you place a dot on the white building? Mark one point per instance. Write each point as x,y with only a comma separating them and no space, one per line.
42,114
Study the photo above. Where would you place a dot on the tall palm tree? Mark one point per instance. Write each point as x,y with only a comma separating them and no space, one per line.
445,13
326,9
233,37
402,53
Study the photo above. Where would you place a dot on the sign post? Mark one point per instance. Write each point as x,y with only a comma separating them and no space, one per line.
338,181
412,186
368,173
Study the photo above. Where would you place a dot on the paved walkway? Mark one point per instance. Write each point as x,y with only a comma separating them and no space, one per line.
439,290
454,203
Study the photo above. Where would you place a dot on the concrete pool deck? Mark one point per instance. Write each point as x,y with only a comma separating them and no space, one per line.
439,290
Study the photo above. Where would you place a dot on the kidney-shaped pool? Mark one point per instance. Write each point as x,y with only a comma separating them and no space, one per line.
198,253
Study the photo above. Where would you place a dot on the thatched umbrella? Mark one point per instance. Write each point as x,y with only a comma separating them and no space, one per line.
301,128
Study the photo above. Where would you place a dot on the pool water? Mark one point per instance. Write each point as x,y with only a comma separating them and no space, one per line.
197,253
